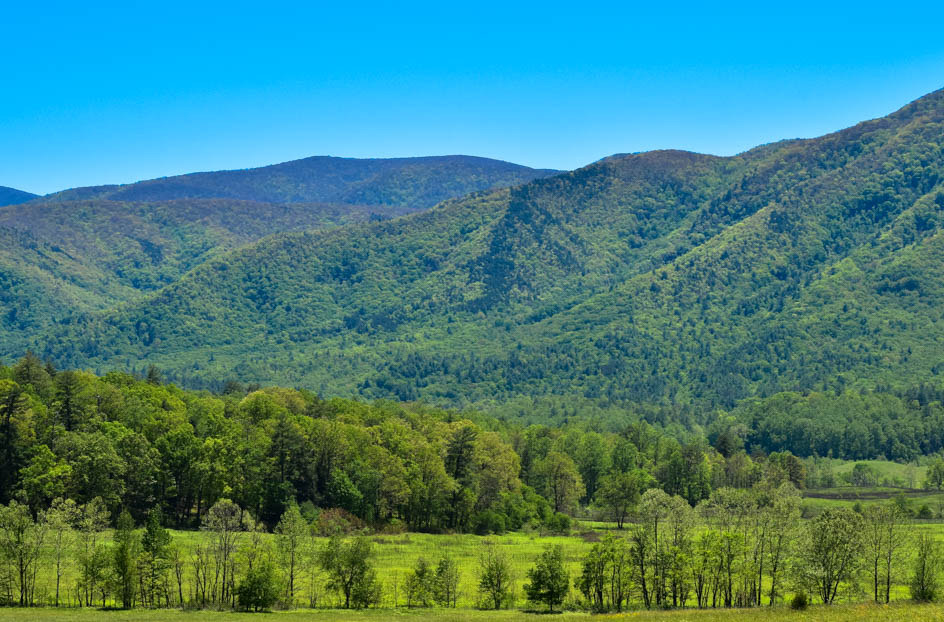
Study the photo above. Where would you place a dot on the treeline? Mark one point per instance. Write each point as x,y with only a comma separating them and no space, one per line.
138,444
738,548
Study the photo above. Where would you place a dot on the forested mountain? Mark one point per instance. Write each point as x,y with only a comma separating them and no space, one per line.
663,277
12,196
95,248
415,183
59,258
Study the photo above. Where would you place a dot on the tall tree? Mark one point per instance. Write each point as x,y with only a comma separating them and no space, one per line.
831,551
290,534
548,580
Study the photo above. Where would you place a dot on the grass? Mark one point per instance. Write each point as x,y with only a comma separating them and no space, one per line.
838,613
394,557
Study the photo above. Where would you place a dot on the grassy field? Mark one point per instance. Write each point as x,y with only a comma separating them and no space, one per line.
837,613
395,555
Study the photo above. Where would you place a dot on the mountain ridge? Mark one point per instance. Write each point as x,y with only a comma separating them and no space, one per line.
418,182
12,196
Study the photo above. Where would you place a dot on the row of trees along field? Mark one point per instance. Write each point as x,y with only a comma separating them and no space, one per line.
738,548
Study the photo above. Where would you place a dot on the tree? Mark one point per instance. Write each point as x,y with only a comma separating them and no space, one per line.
831,551
259,589
155,559
927,568
14,409
884,541
21,541
45,478
59,521
124,560
935,475
93,520
494,577
549,579
446,585
225,520
619,493
864,475
606,574
560,480
349,569
420,584
290,535
784,514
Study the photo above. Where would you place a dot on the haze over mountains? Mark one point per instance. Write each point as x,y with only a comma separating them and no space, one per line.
666,276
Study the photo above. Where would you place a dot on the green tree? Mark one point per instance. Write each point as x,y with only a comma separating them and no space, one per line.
155,561
560,481
290,535
226,522
21,542
350,572
935,476
925,580
619,493
830,554
93,557
495,577
259,588
549,580
124,561
446,583
420,584
884,540
60,518
45,478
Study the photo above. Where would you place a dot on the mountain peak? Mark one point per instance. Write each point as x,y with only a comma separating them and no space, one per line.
12,196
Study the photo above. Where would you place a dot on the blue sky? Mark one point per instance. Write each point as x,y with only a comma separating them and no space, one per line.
116,92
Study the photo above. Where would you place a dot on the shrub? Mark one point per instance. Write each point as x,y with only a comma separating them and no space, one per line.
489,522
336,522
800,601
558,523
259,589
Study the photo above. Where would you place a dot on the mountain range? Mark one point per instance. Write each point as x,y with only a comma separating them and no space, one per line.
90,249
661,277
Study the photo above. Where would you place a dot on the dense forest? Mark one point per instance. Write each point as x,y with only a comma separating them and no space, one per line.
700,522
138,444
665,278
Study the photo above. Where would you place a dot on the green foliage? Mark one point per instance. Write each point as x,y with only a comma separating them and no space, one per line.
259,589
925,580
800,601
495,579
548,581
829,555
124,561
349,570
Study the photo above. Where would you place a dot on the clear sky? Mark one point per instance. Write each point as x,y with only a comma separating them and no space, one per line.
99,92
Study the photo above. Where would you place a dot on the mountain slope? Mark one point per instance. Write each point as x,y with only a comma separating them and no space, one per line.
59,258
12,196
121,242
661,277
416,183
